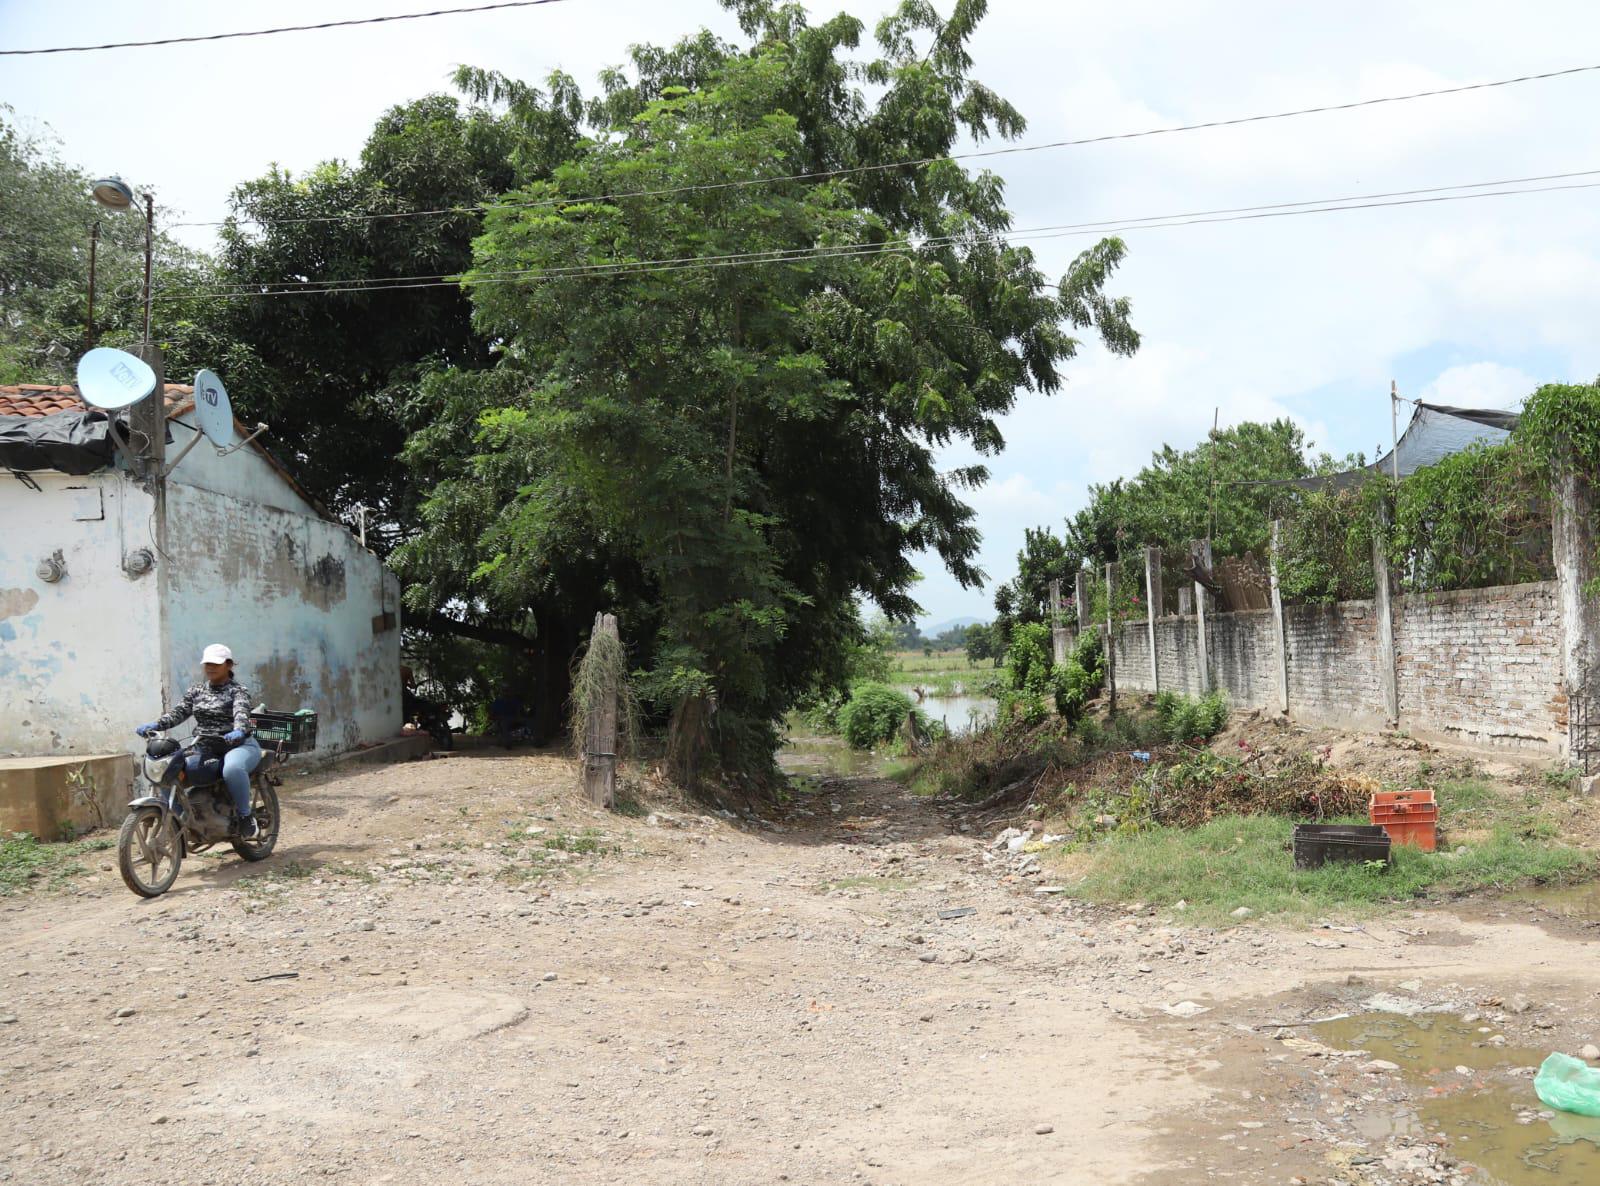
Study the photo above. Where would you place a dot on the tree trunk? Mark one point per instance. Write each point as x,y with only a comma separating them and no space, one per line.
688,741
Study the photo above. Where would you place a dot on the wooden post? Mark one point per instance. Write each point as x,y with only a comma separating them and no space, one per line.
1200,559
1111,638
600,732
1279,634
1153,596
1385,612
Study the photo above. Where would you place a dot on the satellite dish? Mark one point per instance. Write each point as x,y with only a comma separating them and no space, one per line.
112,379
212,409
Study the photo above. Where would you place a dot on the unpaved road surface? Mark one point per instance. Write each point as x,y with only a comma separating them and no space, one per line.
686,998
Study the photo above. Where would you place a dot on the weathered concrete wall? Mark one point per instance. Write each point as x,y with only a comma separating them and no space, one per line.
80,657
1176,655
298,599
44,796
1133,656
1482,665
1333,664
1242,651
298,602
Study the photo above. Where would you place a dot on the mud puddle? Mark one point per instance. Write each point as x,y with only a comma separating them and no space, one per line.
1474,1090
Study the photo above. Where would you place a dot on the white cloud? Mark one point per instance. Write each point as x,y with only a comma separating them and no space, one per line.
1480,385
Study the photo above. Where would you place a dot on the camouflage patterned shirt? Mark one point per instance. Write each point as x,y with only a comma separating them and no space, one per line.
216,710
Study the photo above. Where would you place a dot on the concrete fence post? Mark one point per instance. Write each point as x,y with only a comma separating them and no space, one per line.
1573,538
1153,597
1279,634
1384,609
1080,591
1200,561
1058,625
1111,637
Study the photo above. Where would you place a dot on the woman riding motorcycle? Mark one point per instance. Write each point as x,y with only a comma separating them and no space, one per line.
221,710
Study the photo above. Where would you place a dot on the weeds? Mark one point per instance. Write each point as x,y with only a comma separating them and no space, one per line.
1244,861
29,863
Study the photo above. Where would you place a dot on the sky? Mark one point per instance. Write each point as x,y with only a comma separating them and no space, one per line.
1471,302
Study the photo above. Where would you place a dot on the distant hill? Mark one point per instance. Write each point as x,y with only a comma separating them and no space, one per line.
934,629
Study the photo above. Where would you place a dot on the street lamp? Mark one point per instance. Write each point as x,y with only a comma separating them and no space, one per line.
116,194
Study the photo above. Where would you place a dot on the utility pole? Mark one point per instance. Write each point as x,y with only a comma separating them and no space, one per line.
1394,430
94,244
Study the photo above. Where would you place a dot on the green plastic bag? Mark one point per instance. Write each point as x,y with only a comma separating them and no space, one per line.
1569,1084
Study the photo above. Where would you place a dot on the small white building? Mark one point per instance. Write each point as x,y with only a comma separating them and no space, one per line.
110,587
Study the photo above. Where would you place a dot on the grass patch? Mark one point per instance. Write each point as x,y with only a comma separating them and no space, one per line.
26,863
884,884
1246,861
915,663
589,842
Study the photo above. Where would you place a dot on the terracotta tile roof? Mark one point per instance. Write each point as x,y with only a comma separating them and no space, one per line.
44,399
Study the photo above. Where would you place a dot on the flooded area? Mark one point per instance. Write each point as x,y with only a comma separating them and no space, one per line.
1475,1090
960,714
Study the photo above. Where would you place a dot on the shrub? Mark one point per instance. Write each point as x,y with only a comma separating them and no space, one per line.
873,714
1184,719
1078,680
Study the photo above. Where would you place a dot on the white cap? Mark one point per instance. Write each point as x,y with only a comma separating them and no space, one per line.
217,653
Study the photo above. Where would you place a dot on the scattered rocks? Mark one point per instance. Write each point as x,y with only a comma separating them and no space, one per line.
1043,1130
1589,1053
1184,1009
1244,912
363,924
548,977
1519,1004
125,1011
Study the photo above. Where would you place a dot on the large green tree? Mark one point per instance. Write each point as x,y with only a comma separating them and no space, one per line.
727,384
339,375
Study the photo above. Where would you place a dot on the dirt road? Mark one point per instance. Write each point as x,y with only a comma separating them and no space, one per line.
480,979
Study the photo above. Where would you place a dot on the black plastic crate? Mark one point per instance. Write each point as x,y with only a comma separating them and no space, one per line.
287,732
1317,844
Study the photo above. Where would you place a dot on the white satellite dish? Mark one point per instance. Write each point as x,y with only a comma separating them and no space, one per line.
212,409
112,379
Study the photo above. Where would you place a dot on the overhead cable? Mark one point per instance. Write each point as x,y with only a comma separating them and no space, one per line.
846,250
917,162
370,20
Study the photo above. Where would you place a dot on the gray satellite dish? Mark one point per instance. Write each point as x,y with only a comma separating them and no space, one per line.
212,409
112,379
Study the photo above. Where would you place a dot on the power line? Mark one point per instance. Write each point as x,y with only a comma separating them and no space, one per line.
919,162
780,253
371,20
851,250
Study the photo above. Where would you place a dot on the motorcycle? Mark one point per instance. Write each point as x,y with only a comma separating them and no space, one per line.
183,814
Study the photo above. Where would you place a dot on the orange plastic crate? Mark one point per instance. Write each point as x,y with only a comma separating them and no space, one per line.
1410,817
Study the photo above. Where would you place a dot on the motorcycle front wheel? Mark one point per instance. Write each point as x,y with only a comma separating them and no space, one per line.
149,852
264,806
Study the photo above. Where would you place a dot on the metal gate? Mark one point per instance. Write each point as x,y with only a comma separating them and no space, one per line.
1585,709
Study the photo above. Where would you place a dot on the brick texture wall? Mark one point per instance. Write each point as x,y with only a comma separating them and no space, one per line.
1481,666
1333,663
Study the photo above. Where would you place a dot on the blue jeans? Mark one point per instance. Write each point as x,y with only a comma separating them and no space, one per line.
237,764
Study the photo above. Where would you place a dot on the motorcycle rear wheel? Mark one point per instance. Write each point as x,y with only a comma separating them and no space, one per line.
264,806
149,840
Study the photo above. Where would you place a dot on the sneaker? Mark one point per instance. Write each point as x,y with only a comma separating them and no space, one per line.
249,829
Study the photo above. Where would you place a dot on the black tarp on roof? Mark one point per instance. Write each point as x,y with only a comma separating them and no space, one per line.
72,442
1435,432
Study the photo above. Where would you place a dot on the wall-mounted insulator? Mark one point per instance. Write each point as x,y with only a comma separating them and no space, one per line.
138,562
